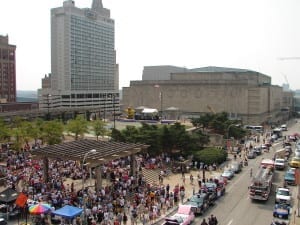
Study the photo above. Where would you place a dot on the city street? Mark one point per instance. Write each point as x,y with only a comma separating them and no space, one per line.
236,206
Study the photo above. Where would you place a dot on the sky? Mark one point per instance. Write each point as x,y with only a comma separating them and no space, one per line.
259,35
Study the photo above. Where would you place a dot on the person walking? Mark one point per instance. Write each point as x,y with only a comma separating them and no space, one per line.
204,222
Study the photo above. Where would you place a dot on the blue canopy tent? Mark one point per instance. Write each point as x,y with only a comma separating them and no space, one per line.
68,212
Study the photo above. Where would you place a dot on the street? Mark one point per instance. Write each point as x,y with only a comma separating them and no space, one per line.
236,208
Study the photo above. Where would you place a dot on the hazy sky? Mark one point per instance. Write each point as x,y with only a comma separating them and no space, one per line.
247,34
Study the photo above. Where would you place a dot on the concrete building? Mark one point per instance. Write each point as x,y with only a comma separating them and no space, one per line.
8,91
84,73
246,95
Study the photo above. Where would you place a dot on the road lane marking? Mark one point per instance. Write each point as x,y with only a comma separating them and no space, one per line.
230,222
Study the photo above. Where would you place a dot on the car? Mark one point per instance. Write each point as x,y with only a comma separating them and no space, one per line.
199,203
279,164
284,127
3,221
183,216
211,189
295,162
289,177
283,196
281,211
257,150
251,154
265,148
229,174
236,167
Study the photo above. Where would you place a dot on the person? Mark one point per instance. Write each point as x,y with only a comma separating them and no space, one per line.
212,220
204,222
125,219
251,172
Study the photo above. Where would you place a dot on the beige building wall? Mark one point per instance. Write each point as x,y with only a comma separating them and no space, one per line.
248,97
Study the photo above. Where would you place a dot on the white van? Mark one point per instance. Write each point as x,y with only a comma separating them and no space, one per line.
284,127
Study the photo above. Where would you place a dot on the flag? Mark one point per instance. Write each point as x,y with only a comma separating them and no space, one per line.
21,200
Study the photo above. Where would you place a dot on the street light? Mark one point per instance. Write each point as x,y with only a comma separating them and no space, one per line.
160,99
83,197
48,106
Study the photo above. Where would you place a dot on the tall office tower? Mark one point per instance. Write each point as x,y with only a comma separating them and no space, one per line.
7,71
84,72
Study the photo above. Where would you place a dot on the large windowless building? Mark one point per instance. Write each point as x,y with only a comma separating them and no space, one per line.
84,72
244,94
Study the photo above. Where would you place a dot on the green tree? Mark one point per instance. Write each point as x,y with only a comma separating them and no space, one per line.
203,121
130,133
99,128
4,131
78,127
52,132
150,135
199,139
117,135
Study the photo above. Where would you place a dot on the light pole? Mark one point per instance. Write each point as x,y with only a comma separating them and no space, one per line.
114,110
160,99
48,106
83,197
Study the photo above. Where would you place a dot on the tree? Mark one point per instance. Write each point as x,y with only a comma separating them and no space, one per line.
4,131
116,135
203,121
130,133
52,132
150,135
99,128
199,139
78,127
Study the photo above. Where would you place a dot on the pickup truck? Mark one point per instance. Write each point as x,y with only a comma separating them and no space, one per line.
283,196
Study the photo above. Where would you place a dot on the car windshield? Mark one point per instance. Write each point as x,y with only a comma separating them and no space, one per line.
283,192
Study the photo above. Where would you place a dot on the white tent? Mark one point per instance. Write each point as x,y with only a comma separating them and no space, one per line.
149,110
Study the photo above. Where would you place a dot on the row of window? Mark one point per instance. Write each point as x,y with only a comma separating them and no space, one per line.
6,54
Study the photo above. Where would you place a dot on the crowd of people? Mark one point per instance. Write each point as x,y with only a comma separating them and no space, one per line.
127,197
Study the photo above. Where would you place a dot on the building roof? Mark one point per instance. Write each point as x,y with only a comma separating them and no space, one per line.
76,150
215,69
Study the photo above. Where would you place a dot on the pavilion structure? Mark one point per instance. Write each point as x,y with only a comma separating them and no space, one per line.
77,150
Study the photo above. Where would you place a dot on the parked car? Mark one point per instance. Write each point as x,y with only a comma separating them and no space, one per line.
3,221
279,164
283,196
211,189
289,176
265,148
184,216
257,150
281,211
199,203
251,154
284,127
295,162
229,174
236,167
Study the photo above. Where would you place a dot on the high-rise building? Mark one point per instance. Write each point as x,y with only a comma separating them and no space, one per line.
7,71
84,72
